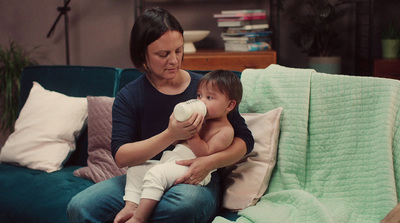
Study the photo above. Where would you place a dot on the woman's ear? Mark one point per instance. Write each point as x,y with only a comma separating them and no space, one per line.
231,106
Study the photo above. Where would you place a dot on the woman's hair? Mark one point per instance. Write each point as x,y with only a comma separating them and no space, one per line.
226,82
149,27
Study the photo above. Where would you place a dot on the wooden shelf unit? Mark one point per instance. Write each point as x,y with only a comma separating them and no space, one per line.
219,59
388,68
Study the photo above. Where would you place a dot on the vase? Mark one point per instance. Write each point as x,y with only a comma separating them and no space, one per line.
330,65
388,48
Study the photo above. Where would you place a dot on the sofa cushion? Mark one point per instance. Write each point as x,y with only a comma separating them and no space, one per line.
248,179
35,196
78,81
45,130
101,165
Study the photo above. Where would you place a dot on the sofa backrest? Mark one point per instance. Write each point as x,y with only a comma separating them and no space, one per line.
78,81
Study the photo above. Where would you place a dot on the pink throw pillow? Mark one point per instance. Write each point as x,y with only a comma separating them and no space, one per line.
247,180
101,165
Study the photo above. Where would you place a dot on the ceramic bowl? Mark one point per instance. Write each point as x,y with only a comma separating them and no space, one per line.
191,36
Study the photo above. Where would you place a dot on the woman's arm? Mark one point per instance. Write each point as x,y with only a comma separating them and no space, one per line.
134,153
129,143
200,167
241,131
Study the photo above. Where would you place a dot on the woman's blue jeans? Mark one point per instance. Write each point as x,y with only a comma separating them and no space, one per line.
101,202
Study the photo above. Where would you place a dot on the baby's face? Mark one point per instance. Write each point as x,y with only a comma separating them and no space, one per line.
216,102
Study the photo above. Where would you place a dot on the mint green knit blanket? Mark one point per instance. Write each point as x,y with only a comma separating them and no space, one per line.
338,153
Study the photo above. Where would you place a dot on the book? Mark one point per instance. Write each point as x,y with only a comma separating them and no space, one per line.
247,33
242,18
240,15
240,23
245,28
246,47
250,37
243,11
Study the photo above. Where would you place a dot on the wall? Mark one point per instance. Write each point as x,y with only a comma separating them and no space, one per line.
99,30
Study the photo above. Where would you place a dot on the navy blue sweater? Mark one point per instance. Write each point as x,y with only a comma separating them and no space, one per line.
140,112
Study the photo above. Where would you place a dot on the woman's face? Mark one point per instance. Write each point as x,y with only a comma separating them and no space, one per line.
164,56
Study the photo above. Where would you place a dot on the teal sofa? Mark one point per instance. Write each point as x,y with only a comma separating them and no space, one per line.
338,156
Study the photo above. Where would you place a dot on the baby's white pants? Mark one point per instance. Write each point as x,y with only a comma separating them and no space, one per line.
150,179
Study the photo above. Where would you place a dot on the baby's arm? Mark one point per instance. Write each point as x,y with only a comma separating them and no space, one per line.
218,142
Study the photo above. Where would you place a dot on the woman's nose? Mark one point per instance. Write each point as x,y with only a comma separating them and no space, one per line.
173,58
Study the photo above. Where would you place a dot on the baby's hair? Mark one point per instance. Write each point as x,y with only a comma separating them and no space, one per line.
226,82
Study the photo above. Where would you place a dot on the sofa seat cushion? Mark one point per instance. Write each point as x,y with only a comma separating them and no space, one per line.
35,196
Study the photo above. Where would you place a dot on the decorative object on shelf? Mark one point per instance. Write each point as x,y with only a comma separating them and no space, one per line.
12,61
330,65
317,32
191,36
397,49
390,40
244,30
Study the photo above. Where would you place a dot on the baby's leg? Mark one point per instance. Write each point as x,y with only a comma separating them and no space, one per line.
133,190
160,178
134,181
157,180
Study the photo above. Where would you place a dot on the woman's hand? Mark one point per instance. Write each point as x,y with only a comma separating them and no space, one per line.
199,168
186,129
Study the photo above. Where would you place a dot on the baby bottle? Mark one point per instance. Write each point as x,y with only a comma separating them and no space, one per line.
184,110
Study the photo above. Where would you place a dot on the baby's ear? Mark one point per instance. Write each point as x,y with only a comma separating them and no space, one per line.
232,105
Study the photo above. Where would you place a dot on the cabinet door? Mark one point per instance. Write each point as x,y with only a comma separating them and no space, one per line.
387,68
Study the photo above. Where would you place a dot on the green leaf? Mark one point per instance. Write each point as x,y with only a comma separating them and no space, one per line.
12,62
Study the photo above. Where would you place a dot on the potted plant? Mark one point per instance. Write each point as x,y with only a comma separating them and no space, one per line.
317,32
397,49
390,41
12,61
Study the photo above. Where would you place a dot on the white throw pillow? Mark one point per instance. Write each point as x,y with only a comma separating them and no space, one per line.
248,179
45,130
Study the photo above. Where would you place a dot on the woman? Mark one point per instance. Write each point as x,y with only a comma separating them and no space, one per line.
143,128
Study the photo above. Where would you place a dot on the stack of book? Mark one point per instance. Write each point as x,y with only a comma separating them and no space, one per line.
244,30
